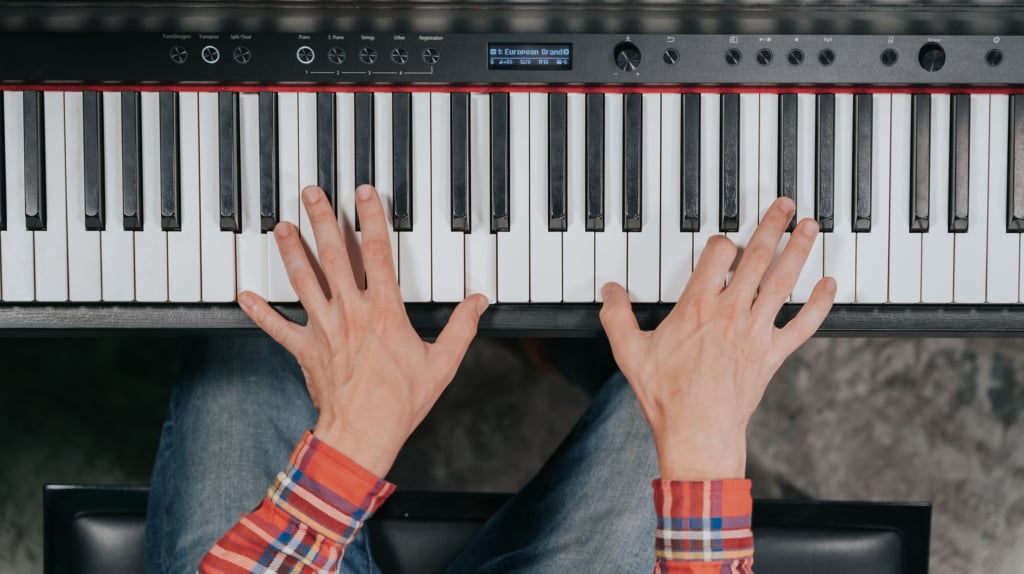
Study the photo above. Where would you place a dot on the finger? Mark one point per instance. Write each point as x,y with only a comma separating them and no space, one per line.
619,323
451,345
282,330
711,270
300,271
329,244
782,278
760,252
376,243
810,318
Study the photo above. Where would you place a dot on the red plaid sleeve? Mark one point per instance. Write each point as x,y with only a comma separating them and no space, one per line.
315,507
703,527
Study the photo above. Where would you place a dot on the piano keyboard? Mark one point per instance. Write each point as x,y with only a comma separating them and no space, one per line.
523,196
138,187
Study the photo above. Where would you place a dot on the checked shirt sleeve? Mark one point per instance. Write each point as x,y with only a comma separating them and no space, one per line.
315,507
703,527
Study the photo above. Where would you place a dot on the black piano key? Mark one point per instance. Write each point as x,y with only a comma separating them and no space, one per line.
326,157
131,160
558,156
401,127
729,200
269,201
788,150
460,162
595,162
499,162
862,118
825,162
35,166
632,162
364,138
228,148
92,156
959,161
689,207
3,171
920,160
1015,197
170,189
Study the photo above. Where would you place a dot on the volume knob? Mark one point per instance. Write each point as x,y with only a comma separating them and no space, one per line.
627,56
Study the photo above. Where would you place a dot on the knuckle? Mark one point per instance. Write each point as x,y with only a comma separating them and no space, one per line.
330,256
305,281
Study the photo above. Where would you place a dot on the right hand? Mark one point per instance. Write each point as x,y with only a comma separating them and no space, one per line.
700,375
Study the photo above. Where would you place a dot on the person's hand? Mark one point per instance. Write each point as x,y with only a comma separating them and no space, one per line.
701,374
371,377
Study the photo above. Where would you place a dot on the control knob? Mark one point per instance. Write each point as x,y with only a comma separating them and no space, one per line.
932,57
627,56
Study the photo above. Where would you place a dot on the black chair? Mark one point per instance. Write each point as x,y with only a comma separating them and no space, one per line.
93,529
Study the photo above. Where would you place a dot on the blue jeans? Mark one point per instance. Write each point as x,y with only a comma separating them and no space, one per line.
243,405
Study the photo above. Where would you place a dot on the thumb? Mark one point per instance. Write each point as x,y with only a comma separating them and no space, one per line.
619,322
451,345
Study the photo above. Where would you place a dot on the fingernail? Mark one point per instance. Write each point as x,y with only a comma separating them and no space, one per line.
363,192
282,230
311,194
481,305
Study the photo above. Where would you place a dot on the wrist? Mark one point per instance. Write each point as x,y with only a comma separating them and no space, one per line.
364,451
701,460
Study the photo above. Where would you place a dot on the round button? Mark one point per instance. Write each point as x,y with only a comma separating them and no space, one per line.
431,56
889,57
211,55
795,56
179,55
305,55
336,56
627,56
931,57
671,56
764,56
242,55
399,56
367,55
733,56
994,57
827,57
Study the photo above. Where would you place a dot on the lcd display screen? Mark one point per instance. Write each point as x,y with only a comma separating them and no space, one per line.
529,56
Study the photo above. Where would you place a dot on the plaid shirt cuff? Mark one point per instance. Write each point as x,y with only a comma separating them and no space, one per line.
703,521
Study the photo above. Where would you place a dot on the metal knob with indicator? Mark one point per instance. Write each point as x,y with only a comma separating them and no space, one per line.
627,56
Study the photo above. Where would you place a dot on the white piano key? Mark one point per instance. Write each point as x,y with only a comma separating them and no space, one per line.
117,246
183,254
840,246
545,246
218,247
644,256
610,244
481,245
307,162
383,157
1003,247
904,246
17,257
749,174
577,242
250,244
873,246
295,155
969,248
345,132
83,245
806,139
151,242
514,245
937,245
768,159
677,246
414,266
51,246
449,247
710,176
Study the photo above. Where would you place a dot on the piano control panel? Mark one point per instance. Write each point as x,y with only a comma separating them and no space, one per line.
504,59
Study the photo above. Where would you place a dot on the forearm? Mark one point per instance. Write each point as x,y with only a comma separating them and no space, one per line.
703,527
313,510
